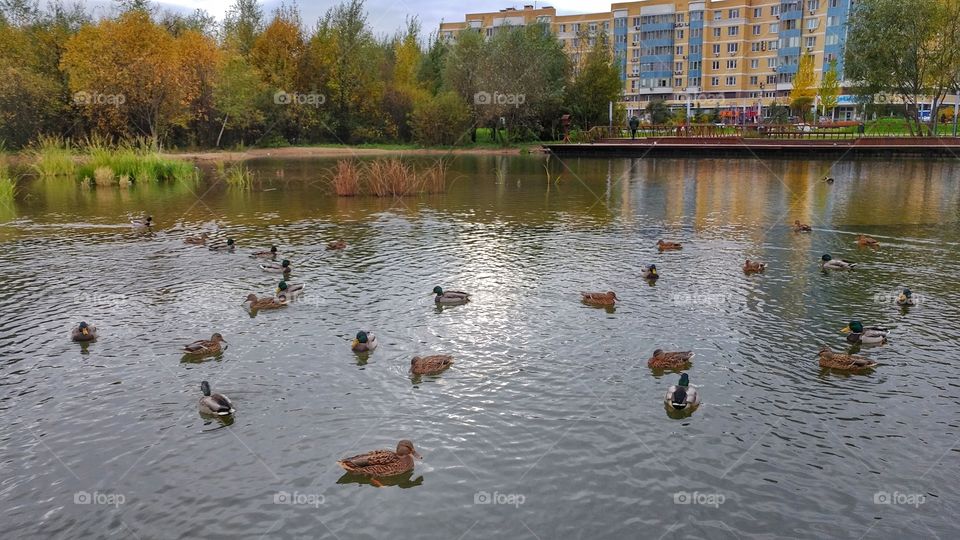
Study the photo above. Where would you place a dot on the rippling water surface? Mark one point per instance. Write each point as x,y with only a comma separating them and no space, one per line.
549,414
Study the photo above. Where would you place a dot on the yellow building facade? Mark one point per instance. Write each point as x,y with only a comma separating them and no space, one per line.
735,56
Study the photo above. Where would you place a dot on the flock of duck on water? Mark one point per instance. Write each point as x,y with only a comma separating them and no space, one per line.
680,398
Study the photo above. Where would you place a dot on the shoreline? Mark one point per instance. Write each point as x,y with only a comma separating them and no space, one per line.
297,152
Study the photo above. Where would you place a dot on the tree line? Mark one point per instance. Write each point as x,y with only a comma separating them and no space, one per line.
268,79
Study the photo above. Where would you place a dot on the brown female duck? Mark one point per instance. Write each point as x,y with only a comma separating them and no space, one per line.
844,362
670,360
382,463
430,365
608,298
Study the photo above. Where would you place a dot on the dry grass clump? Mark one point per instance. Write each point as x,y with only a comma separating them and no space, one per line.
388,177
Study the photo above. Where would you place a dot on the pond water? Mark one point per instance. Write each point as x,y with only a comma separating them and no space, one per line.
549,424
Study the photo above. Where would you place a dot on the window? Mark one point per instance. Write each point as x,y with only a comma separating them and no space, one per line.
813,23
771,62
833,39
813,5
679,35
793,42
811,42
678,82
717,15
755,63
790,24
834,3
636,21
696,49
731,81
756,46
593,27
733,30
680,50
696,16
606,25
757,29
576,42
694,66
716,32
754,80
773,45
731,64
694,81
715,81
733,47
833,21
771,79
678,66
775,10
734,14
679,17
715,65
576,27
716,48
563,28
757,13
774,28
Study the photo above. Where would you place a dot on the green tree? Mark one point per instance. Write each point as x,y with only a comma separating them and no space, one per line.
658,111
239,95
804,86
595,86
444,119
908,48
242,25
830,89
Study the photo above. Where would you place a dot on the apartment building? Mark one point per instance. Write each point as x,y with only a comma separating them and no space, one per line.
735,56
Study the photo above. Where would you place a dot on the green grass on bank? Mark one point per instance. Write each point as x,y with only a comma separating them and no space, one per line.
97,161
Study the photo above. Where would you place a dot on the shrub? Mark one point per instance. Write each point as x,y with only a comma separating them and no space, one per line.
443,120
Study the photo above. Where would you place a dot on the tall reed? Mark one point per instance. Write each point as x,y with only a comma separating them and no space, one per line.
346,178
53,157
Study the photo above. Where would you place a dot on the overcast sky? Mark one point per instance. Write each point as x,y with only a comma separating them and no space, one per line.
385,16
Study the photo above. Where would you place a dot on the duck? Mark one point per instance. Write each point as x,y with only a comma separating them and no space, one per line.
229,246
681,395
608,298
336,245
430,365
382,463
868,241
144,223
828,179
801,227
218,404
199,240
450,298
753,267
670,360
650,273
906,298
282,268
253,303
84,332
364,342
829,263
856,333
269,254
204,347
289,290
668,246
845,362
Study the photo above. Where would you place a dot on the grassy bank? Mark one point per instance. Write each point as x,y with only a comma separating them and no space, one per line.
8,184
99,162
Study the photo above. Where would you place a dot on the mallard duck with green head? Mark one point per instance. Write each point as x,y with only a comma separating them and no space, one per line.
144,223
277,268
681,395
827,262
650,273
382,463
230,245
844,362
84,332
214,404
670,360
289,291
205,347
872,335
364,342
906,298
450,298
